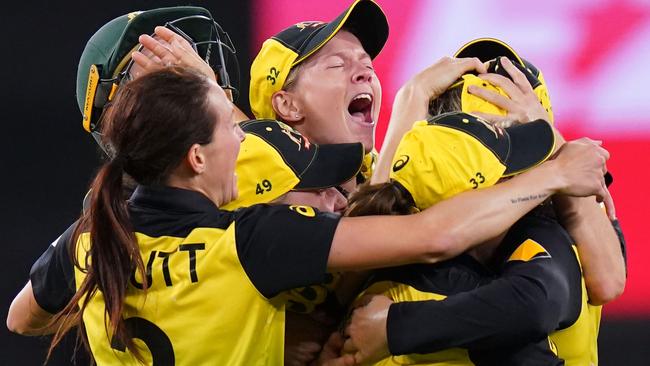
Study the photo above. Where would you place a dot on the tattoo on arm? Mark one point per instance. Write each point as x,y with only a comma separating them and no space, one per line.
528,198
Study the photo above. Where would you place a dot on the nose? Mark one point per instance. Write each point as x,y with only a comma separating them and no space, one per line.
240,133
336,199
362,75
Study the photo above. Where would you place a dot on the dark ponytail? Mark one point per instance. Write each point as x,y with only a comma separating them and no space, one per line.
389,198
149,127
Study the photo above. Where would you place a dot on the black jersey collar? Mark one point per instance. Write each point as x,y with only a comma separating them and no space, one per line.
171,198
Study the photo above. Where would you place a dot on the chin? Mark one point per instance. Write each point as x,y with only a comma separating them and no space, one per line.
368,141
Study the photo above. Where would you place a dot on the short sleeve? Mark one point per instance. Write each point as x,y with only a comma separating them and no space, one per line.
52,275
283,247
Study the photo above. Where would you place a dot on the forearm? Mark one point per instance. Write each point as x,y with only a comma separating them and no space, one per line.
506,312
26,317
472,217
598,245
410,105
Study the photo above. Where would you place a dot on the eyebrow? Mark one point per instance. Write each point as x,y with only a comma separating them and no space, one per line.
348,53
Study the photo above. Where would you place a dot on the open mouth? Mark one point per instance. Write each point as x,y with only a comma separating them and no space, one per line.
360,108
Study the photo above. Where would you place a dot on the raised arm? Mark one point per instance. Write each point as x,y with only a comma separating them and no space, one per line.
170,49
412,103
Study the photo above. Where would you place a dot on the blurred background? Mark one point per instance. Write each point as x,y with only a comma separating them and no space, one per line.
594,55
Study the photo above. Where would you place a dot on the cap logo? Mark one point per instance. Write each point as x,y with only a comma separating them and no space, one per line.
400,163
491,127
132,15
303,25
292,136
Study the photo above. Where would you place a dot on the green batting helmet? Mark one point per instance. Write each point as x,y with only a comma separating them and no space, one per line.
106,58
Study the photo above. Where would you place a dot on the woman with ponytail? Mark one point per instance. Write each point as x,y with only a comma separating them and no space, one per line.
168,278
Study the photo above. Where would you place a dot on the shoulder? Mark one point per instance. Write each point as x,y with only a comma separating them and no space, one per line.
288,217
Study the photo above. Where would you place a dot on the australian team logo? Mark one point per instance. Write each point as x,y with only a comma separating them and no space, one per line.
303,25
299,140
400,163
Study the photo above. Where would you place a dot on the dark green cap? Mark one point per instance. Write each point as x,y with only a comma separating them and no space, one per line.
111,46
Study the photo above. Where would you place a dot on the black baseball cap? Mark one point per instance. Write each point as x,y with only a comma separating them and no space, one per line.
275,159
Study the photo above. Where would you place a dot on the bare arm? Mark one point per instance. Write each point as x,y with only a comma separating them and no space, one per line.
454,225
411,104
26,317
598,246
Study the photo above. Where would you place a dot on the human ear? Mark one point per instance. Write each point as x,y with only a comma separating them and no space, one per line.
196,159
286,106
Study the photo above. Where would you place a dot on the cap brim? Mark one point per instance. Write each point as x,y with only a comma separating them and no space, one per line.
486,49
332,165
368,22
530,145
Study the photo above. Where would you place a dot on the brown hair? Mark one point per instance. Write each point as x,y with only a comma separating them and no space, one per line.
449,101
389,198
150,126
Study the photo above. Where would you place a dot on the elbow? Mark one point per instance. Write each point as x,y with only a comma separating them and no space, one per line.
442,246
602,292
20,320
542,318
16,326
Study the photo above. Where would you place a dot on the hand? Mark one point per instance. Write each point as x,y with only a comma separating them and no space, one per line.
522,106
301,354
582,165
167,49
434,80
368,340
331,353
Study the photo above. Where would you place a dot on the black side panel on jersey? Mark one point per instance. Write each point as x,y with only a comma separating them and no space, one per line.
283,247
52,275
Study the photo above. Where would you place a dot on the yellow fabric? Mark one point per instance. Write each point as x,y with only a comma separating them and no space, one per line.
471,103
399,292
578,344
368,166
541,91
268,74
434,162
262,174
91,89
528,250
199,318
